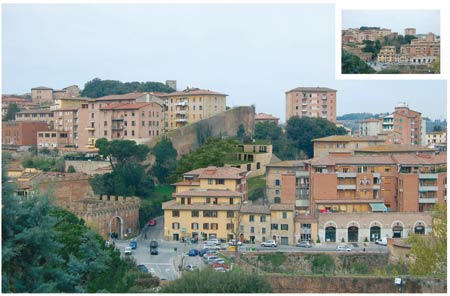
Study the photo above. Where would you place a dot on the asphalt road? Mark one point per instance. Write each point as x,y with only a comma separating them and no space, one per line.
165,265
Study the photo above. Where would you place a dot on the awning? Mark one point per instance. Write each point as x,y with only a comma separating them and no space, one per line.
378,207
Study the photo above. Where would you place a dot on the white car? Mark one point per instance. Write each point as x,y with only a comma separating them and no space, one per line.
343,248
215,241
381,241
128,250
269,243
233,243
211,247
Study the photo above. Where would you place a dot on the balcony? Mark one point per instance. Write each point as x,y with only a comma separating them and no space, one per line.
301,174
182,103
346,175
117,119
346,187
117,128
90,128
376,175
427,200
428,176
302,203
376,187
181,120
427,188
181,112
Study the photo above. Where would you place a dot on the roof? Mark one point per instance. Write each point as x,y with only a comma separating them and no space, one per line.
125,106
193,92
347,138
249,207
345,201
128,96
420,159
312,89
76,99
282,207
394,148
287,163
66,109
36,111
372,120
42,88
264,116
217,173
331,160
173,205
209,193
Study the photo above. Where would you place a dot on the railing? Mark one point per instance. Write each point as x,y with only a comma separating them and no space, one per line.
428,176
346,175
427,188
346,187
427,200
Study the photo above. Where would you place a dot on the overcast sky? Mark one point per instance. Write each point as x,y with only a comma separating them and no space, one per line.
424,21
252,52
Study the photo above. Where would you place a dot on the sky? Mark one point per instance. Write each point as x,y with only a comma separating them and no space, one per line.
252,52
424,21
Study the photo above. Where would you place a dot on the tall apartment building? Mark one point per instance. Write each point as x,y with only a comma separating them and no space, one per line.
311,102
65,130
44,114
370,127
408,123
191,105
410,31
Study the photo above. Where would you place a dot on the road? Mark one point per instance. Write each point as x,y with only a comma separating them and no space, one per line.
171,254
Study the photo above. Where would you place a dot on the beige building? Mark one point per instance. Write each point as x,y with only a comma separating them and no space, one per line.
263,117
437,138
343,144
410,31
191,105
253,158
36,115
42,95
370,127
311,102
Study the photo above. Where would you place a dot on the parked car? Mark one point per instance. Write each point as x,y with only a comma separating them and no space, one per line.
191,267
133,244
153,244
193,252
269,243
304,244
215,241
381,241
233,243
211,247
220,269
152,222
218,260
202,252
154,248
128,251
142,268
214,265
343,248
208,258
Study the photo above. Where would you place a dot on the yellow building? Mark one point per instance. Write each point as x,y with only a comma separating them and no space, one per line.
206,204
254,158
191,105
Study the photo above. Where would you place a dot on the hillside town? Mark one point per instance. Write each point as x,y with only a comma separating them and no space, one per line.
384,50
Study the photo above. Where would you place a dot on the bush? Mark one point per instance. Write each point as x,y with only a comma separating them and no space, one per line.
359,268
323,263
342,240
71,169
318,240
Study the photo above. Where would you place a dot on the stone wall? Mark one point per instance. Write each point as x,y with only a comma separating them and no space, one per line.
320,284
89,167
189,137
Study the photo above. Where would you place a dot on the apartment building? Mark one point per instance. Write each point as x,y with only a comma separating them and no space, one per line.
344,144
65,130
439,137
263,117
408,123
191,105
206,204
132,121
53,139
46,95
43,114
370,127
410,31
387,54
311,102
253,158
72,102
21,102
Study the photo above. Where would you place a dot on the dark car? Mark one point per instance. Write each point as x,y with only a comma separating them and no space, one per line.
153,244
152,222
153,248
193,252
202,252
133,244
142,268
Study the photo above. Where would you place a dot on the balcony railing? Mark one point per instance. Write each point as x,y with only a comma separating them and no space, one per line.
181,120
428,176
427,200
90,128
427,188
346,175
346,187
302,203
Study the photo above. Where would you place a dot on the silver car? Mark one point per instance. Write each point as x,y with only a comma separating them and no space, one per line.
269,243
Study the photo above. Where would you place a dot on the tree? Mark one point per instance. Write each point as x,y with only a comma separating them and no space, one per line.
71,169
240,134
273,133
98,88
429,252
208,281
303,130
351,64
165,159
12,110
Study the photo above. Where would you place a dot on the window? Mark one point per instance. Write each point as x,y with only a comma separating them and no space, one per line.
252,229
277,192
251,218
205,226
176,225
262,218
263,230
277,200
277,182
214,226
284,215
125,133
284,227
92,115
105,133
230,226
194,225
132,133
133,123
230,214
176,213
210,181
231,200
125,123
241,228
209,213
105,123
274,226
143,123
194,213
208,200
220,181
132,113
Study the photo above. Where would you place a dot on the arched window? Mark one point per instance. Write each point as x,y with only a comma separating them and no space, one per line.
330,234
277,200
352,233
375,233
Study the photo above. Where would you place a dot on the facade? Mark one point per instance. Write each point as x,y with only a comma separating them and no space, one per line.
65,123
42,95
20,133
253,158
36,115
344,144
53,139
206,204
437,138
69,103
311,102
370,127
133,121
408,123
387,54
410,31
191,105
263,117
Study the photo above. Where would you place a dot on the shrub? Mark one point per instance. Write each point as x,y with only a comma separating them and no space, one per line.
71,169
323,263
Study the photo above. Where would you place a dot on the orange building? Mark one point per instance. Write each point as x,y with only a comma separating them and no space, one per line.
20,133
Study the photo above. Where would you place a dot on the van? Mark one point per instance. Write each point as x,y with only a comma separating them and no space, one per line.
381,241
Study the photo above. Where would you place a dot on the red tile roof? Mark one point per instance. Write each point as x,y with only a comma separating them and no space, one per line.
217,173
128,96
209,193
193,92
42,88
264,116
125,106
312,89
347,138
173,205
420,159
331,160
394,148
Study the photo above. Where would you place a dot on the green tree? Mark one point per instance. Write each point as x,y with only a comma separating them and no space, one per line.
351,64
98,88
208,281
240,134
303,130
165,160
11,112
71,169
429,252
323,263
270,131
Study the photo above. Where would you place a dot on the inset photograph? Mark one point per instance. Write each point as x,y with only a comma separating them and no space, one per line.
390,42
